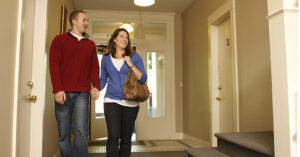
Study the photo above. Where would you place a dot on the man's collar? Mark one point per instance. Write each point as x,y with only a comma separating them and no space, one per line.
84,34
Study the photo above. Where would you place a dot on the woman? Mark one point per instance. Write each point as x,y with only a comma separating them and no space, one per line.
120,114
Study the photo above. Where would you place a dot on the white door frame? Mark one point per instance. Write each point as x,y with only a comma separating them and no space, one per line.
98,129
38,77
133,16
227,10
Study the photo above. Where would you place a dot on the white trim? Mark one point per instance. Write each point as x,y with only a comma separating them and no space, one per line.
172,81
283,29
39,78
213,85
235,70
225,11
16,80
218,15
205,143
298,94
103,13
281,11
178,135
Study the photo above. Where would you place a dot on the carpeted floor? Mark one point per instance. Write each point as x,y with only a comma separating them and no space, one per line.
148,154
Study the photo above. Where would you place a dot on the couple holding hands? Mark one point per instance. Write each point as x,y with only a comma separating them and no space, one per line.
74,71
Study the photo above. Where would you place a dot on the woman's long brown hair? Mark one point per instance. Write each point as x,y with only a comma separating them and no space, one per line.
111,48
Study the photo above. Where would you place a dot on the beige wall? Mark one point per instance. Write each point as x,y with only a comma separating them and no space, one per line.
196,117
178,72
50,135
253,67
255,88
8,31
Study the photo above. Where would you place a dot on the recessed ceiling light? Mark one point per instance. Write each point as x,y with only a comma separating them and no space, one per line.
144,3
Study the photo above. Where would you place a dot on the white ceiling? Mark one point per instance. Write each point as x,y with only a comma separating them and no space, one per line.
174,6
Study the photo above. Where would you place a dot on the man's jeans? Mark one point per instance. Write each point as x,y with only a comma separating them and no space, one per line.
77,103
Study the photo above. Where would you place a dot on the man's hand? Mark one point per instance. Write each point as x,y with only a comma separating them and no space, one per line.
60,97
94,93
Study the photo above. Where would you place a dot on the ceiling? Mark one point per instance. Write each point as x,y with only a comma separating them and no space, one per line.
173,6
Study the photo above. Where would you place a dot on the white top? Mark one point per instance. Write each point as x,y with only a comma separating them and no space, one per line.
118,63
77,36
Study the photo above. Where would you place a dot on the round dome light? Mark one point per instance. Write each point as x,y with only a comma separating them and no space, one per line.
144,3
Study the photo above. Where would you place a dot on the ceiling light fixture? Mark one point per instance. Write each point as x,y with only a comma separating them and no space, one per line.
127,26
144,3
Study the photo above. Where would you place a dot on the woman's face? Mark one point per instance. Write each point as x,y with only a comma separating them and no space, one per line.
121,40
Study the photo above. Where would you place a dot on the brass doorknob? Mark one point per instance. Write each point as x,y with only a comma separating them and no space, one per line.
30,84
32,98
219,98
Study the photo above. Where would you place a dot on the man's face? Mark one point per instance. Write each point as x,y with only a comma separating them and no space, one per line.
81,22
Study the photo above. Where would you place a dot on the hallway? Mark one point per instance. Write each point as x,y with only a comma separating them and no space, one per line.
264,50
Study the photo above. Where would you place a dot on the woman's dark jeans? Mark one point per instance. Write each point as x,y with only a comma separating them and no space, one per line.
120,122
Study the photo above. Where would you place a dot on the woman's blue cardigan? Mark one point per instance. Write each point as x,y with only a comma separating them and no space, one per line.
115,79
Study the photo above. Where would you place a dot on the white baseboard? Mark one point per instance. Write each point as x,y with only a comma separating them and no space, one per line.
57,154
186,136
178,136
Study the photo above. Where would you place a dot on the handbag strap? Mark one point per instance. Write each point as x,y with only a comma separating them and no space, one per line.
130,76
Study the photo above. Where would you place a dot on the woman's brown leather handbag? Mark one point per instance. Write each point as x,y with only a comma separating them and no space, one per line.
134,90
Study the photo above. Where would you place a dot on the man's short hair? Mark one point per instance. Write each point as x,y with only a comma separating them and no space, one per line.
74,15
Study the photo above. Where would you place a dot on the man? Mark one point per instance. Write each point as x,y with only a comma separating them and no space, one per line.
74,67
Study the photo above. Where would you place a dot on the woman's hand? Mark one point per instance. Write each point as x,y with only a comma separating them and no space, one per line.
128,61
94,93
131,66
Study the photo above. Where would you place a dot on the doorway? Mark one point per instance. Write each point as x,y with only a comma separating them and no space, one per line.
223,71
157,38
225,86
30,79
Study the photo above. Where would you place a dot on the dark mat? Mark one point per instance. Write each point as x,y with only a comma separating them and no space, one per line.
148,154
103,143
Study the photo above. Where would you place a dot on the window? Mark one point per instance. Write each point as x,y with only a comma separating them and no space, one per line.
156,84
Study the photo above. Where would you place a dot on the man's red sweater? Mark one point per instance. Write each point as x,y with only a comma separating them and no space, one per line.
73,64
